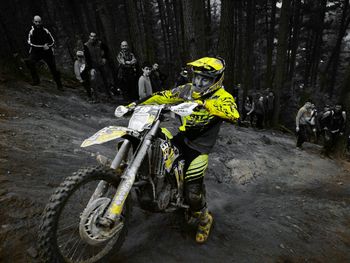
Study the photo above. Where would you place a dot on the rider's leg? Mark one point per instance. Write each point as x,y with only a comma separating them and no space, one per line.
195,196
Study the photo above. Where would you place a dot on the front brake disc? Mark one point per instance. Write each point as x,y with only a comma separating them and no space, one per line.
89,230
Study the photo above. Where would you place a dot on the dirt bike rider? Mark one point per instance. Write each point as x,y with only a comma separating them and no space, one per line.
198,132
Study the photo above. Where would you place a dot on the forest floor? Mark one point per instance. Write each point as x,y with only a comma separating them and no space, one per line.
271,202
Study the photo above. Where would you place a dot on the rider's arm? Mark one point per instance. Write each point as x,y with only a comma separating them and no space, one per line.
163,97
223,107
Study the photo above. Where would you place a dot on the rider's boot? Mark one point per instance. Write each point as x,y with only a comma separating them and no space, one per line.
193,218
204,227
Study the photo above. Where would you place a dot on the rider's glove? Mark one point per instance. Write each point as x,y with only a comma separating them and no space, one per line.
199,102
131,106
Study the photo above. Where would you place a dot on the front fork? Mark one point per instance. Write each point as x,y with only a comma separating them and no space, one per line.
102,187
116,206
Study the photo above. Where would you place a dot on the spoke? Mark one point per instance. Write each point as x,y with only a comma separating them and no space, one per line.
82,252
66,227
76,245
70,238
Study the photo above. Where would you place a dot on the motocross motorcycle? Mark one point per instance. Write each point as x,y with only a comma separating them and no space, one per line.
88,215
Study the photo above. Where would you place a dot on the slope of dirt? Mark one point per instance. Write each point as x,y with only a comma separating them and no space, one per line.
271,202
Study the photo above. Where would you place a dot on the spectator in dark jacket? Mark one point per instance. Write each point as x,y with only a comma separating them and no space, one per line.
41,45
127,72
334,126
96,54
157,78
260,112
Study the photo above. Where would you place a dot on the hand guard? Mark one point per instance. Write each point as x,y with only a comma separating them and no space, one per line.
121,110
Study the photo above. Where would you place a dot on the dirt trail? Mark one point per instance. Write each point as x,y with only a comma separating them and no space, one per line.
271,202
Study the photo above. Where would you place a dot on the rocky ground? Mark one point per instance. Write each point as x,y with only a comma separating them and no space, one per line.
271,202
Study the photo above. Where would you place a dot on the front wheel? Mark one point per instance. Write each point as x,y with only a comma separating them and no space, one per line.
69,230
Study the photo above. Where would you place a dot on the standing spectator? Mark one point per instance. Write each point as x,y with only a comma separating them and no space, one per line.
248,109
312,123
269,106
303,115
83,75
157,78
127,71
96,54
334,128
260,112
182,79
41,45
145,86
323,121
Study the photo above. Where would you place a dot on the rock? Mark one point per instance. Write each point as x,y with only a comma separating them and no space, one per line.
32,252
266,140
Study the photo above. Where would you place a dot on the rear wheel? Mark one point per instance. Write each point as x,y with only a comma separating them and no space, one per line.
70,232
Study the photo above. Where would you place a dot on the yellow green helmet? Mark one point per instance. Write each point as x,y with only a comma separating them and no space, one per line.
209,67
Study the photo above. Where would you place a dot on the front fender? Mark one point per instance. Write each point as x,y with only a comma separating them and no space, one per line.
108,134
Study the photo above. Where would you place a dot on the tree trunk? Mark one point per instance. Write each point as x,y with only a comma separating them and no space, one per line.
239,54
281,58
194,12
226,40
249,47
149,33
134,30
317,45
344,24
164,29
297,18
270,44
345,100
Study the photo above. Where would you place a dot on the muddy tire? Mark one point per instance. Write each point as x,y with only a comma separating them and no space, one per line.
48,236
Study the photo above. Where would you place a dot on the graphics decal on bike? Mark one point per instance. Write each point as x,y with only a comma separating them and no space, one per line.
108,134
170,153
